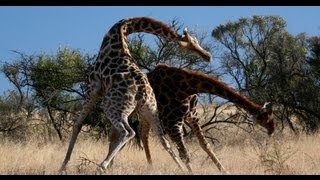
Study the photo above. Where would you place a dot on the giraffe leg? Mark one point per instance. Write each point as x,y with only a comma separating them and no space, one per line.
144,132
125,134
177,137
145,129
113,137
193,123
90,101
151,115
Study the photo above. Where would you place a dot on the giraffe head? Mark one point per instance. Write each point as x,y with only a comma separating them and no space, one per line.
191,44
265,118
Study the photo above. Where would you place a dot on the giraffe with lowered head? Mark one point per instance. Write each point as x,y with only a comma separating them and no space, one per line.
124,87
176,93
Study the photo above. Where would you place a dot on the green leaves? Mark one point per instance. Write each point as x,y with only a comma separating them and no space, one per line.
267,63
60,71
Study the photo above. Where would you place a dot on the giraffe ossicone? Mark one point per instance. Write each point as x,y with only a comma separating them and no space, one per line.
265,105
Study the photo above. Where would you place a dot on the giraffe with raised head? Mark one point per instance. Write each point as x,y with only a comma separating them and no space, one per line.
176,93
124,87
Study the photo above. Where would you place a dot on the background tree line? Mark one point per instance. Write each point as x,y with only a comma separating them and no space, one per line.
254,55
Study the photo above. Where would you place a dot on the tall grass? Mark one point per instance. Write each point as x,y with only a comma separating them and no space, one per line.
240,154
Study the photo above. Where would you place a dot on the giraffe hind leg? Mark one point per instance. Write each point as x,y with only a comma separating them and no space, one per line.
125,134
142,130
113,137
151,115
145,129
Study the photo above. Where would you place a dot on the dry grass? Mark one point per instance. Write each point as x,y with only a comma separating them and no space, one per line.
240,154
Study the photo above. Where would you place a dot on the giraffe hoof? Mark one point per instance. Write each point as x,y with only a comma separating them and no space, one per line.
225,172
62,172
100,170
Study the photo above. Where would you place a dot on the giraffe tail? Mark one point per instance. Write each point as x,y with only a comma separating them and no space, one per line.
136,141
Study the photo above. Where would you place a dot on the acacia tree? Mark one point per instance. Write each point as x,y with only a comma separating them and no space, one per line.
267,63
56,83
56,80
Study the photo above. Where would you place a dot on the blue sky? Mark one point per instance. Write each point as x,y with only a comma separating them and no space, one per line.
38,29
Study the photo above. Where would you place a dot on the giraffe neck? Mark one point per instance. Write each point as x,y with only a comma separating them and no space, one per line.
193,82
115,42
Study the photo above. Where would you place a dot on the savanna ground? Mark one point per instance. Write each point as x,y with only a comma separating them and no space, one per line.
240,152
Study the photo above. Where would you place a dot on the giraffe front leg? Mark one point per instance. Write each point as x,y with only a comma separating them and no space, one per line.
176,136
192,122
88,104
166,145
151,115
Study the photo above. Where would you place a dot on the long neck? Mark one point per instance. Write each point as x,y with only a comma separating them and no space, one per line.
192,82
116,38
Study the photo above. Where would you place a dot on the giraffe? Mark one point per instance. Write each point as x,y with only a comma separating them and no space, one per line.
123,87
176,93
